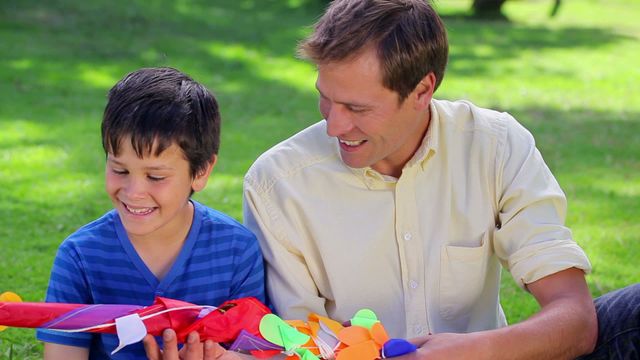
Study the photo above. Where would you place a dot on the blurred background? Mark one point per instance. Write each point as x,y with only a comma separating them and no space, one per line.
571,79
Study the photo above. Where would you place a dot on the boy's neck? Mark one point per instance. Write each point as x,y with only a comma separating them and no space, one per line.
159,251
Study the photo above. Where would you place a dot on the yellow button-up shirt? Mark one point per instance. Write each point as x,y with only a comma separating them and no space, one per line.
423,251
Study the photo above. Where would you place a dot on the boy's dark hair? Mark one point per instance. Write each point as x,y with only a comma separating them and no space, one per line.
409,36
160,106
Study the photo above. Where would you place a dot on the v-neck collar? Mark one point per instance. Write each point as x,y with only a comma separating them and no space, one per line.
160,286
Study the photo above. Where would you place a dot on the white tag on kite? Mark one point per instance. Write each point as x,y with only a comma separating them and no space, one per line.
130,330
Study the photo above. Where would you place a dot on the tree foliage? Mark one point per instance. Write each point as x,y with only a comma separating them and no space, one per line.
487,8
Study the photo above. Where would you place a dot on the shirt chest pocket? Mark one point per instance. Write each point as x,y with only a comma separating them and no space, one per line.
463,272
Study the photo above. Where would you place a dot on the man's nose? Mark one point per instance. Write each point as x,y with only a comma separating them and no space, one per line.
338,121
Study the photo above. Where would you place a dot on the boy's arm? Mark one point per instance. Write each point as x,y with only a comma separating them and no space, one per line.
248,277
56,351
67,285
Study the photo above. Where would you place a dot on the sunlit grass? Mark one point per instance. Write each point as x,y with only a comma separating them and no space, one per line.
283,69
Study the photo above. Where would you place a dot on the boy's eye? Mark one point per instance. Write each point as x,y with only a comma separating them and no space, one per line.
155,178
119,171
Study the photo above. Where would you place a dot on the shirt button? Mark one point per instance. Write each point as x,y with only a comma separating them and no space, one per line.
413,284
407,236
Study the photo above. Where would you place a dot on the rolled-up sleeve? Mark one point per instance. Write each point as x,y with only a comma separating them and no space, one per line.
531,240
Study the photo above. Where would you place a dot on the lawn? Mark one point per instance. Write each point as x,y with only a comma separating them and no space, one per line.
572,80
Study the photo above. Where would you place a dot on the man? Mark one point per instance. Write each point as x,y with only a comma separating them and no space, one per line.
409,205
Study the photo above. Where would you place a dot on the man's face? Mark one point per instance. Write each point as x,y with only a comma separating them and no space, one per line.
372,127
151,193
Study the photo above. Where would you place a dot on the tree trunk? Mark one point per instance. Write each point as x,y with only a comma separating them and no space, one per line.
556,7
488,8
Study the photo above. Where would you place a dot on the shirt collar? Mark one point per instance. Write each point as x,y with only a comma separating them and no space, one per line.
429,144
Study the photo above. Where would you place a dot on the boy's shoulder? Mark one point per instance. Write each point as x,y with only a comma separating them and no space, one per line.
97,237
217,221
97,230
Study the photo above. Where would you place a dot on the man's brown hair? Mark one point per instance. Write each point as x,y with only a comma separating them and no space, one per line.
409,36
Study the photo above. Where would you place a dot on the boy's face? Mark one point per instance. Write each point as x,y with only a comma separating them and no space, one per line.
151,194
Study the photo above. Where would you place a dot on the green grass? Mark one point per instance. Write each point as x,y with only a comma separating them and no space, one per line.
572,80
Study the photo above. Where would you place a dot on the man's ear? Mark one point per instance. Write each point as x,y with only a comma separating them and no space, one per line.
201,178
424,91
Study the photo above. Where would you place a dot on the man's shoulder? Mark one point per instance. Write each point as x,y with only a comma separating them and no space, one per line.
305,149
463,115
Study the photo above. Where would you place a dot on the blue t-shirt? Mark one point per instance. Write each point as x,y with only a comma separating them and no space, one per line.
220,260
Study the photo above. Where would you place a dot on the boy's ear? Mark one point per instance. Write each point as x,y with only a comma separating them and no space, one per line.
200,181
423,92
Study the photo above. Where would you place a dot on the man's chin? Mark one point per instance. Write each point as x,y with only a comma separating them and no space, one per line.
354,163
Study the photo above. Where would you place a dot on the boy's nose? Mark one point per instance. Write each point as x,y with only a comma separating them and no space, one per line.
136,189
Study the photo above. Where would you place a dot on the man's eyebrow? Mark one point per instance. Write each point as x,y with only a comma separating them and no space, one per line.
343,102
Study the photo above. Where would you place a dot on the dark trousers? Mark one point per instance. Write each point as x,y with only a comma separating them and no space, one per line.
618,325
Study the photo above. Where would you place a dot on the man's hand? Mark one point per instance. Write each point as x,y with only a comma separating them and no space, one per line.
192,350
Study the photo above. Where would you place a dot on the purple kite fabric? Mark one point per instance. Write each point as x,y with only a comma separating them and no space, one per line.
248,342
89,316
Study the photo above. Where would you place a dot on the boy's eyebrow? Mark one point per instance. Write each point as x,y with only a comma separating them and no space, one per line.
156,167
159,167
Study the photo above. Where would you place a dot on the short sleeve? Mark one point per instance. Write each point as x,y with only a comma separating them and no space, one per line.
67,284
248,278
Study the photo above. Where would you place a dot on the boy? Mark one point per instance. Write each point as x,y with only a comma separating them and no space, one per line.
160,133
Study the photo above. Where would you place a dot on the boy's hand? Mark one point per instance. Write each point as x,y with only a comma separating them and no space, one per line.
192,350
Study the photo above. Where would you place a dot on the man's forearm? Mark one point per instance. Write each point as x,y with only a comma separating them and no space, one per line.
564,328
561,330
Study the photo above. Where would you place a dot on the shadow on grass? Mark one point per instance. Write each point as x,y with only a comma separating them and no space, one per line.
586,141
476,45
64,55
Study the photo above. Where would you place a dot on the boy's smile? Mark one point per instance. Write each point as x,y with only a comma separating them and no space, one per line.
151,193
141,211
